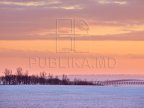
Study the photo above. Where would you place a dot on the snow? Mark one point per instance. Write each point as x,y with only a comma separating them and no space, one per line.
52,96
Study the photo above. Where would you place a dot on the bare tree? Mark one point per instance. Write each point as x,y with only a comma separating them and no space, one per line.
23,78
8,74
42,74
65,79
19,71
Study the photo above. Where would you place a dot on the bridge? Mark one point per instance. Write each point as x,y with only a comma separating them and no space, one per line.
120,82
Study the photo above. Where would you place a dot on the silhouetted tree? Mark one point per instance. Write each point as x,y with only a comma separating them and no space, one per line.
8,74
23,78
65,80
19,75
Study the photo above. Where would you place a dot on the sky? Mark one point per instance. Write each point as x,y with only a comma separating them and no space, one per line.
72,36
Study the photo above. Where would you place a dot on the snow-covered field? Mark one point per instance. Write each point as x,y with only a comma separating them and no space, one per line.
52,96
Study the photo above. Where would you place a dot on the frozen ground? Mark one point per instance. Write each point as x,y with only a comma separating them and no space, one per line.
40,96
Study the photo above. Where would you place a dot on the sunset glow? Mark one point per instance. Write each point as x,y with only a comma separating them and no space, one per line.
108,28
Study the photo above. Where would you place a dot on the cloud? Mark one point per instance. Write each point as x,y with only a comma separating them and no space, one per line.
22,3
71,7
135,36
119,2
57,4
33,19
29,3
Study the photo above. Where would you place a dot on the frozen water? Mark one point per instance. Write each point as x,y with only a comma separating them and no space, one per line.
52,96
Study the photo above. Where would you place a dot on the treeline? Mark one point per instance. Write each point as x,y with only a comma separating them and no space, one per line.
22,78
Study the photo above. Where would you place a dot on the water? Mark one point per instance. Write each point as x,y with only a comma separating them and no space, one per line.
52,96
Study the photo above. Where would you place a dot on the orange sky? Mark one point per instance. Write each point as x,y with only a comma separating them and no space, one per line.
72,37
126,57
